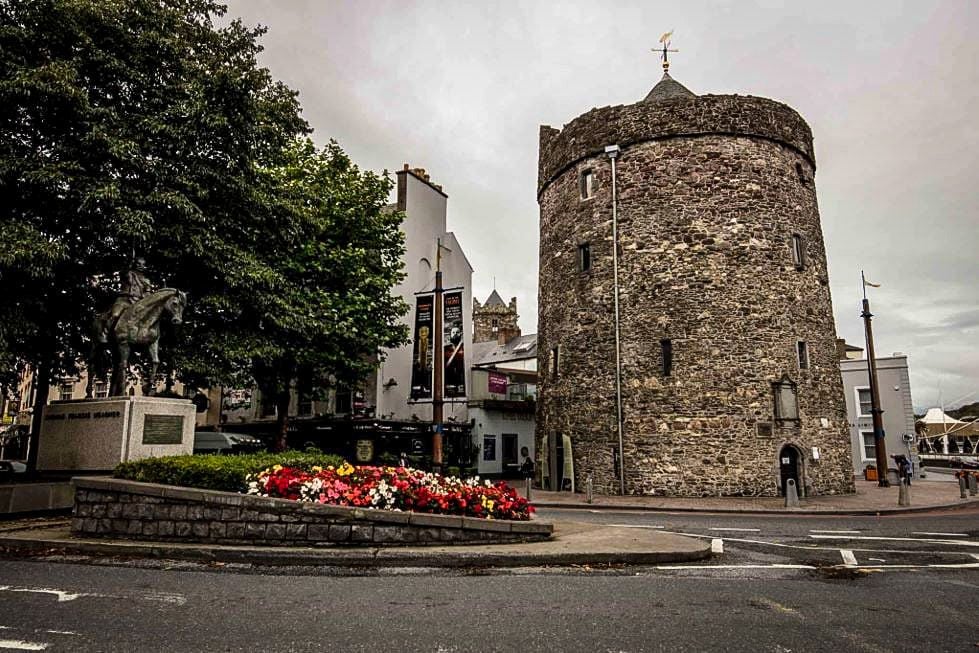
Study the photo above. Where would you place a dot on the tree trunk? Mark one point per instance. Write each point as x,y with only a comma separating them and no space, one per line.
282,419
42,384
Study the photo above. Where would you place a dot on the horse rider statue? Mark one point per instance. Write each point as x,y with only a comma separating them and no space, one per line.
135,286
133,320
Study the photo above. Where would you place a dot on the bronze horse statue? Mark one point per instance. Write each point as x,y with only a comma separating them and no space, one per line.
138,325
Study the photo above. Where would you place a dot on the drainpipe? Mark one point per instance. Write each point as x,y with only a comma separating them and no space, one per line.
613,152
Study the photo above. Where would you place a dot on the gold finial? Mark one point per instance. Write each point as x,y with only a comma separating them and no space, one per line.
665,40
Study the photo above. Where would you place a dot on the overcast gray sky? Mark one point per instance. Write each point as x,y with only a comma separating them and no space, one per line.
890,89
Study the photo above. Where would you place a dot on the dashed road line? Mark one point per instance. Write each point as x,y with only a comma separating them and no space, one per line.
717,545
21,645
737,530
941,534
894,539
849,559
835,532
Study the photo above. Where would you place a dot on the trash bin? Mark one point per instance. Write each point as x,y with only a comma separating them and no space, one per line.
870,473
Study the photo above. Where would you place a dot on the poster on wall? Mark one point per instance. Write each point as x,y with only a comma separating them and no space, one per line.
422,355
452,345
497,383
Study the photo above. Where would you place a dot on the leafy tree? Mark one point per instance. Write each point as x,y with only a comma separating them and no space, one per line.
139,127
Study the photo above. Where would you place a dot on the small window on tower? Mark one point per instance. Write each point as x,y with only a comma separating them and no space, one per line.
798,245
584,257
667,348
555,362
801,173
587,183
803,351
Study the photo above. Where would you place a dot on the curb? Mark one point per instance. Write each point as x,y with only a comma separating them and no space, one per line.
344,557
559,505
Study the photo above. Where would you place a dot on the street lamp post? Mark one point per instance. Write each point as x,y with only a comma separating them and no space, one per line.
875,410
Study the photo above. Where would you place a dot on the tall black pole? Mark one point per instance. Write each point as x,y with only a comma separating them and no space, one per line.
438,361
875,410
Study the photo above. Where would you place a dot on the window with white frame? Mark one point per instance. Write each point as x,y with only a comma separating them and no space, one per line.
66,391
101,389
864,402
869,445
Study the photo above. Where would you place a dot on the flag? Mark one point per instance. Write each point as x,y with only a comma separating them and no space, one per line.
872,285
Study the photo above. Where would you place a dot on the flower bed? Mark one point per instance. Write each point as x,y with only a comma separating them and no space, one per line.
392,488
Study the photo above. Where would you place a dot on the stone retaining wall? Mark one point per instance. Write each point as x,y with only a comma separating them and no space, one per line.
117,508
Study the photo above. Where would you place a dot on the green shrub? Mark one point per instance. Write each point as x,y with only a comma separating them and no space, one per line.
217,472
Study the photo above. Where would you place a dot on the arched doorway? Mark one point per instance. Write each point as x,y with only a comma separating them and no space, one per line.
789,466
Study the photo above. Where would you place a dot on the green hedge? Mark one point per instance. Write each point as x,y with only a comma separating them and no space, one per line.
217,472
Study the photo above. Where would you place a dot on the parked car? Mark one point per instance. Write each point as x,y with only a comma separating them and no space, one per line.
9,469
223,442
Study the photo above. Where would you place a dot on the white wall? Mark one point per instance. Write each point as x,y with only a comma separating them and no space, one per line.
895,400
491,422
424,225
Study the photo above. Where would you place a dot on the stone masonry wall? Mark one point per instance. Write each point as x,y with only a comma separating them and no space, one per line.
116,508
706,222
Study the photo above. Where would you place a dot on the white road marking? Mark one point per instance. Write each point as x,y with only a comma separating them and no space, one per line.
61,594
60,632
776,566
941,534
836,532
975,555
637,525
717,545
877,559
849,559
739,530
893,539
21,645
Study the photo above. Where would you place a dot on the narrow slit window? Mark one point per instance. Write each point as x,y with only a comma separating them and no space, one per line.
666,346
587,182
802,349
584,257
798,251
555,361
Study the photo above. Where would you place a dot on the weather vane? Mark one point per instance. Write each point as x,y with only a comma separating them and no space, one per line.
665,40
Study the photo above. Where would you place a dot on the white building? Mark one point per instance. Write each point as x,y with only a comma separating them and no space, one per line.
895,401
428,243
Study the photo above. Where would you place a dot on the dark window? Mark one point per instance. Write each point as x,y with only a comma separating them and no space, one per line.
667,348
555,361
798,245
268,404
765,429
489,448
510,449
801,174
869,445
66,391
344,402
584,257
803,352
587,184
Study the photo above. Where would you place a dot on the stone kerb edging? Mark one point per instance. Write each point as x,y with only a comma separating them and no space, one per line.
116,508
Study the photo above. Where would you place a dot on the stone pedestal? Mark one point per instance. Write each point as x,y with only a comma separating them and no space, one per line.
98,434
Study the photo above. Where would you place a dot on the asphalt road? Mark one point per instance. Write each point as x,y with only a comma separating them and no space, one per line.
755,596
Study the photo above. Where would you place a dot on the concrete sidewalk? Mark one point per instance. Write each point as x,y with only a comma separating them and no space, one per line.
573,543
869,499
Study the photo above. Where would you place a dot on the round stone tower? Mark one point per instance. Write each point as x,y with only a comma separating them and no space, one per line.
727,368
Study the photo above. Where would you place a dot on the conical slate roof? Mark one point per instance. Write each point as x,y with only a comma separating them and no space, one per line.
668,89
494,300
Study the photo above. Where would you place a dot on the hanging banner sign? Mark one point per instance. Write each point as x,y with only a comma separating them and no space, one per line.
452,345
422,356
497,383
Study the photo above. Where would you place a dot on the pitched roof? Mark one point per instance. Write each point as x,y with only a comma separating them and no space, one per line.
668,89
936,416
494,299
519,348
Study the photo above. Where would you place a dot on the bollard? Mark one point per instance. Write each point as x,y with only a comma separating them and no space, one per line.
589,489
962,486
791,494
527,492
904,496
972,485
